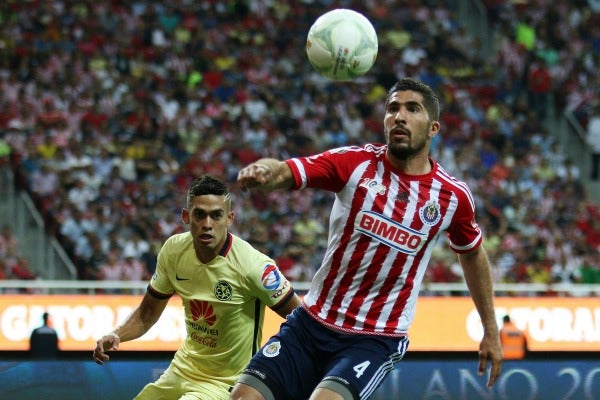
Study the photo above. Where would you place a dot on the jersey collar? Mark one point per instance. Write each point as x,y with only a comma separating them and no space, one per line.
227,245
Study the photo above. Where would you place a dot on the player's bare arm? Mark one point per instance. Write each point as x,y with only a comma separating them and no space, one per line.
289,306
136,324
266,174
477,272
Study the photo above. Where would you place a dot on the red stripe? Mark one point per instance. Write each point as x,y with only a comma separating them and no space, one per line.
355,261
425,194
394,273
374,265
405,292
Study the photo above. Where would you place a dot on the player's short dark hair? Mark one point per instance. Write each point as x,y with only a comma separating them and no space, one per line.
430,99
208,184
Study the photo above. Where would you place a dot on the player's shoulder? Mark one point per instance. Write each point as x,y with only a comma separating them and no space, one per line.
365,150
451,182
245,255
177,242
242,248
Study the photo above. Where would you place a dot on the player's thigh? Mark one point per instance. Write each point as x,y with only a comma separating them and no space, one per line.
203,396
172,386
325,394
288,366
280,370
205,390
246,392
168,385
357,370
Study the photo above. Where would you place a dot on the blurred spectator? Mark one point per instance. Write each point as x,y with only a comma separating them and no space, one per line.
440,271
135,246
134,269
9,243
20,269
76,159
308,230
590,269
91,179
169,223
287,262
43,342
5,150
149,113
150,258
81,195
113,268
44,181
48,148
568,171
538,273
525,33
540,85
103,164
303,269
91,263
593,141
4,269
566,270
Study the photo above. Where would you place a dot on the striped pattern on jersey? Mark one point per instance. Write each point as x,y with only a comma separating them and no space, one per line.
383,228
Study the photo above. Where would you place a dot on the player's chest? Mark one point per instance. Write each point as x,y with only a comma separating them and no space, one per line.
210,283
400,200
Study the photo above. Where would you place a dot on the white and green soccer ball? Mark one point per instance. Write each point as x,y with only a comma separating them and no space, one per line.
342,44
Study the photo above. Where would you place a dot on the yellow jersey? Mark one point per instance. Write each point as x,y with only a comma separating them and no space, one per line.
224,303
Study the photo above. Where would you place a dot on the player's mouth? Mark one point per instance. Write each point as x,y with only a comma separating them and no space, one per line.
205,238
398,133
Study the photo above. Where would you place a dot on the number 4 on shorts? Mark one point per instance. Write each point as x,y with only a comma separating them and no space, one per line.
361,368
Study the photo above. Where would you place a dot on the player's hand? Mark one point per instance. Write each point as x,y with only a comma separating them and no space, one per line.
109,342
490,350
254,175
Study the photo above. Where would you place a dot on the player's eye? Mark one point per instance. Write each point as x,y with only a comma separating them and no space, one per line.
392,109
413,107
199,214
216,215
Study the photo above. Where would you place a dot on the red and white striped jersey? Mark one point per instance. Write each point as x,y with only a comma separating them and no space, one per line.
382,230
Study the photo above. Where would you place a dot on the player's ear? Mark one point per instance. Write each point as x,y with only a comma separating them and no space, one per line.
185,216
434,129
230,218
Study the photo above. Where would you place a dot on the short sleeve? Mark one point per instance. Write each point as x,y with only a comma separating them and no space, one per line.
464,233
160,284
270,285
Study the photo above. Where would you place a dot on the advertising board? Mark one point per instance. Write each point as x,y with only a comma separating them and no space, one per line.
441,323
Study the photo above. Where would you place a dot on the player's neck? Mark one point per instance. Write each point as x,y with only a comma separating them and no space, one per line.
419,164
205,257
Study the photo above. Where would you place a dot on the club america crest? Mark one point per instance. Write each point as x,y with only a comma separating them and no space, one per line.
430,213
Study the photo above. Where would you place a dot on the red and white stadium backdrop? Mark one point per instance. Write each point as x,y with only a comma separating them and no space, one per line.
441,324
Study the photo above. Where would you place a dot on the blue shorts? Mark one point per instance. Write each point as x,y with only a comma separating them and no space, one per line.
304,355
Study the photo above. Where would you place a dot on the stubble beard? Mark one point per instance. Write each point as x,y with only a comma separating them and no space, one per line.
404,151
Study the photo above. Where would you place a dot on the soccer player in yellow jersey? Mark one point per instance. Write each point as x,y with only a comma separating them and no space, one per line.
224,284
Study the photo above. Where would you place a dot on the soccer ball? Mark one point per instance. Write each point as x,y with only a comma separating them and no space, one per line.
342,44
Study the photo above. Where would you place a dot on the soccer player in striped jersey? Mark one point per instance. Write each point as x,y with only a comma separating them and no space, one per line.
224,284
392,203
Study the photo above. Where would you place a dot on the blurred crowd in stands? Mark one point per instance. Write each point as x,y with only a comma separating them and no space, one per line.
108,109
